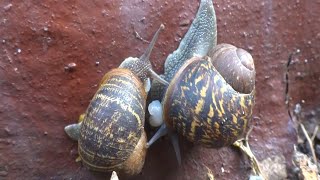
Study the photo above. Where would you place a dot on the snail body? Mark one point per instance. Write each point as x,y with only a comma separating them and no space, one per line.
111,134
200,38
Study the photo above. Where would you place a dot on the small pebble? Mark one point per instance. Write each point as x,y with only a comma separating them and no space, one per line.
104,13
70,67
142,19
74,152
7,130
222,169
297,109
3,173
184,23
7,7
4,170
250,48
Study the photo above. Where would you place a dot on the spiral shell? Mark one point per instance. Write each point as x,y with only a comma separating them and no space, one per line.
235,65
200,105
112,133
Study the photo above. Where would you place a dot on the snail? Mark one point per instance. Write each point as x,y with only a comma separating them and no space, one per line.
111,134
199,39
210,97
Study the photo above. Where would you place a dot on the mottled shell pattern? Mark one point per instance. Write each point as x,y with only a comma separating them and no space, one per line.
111,134
211,94
201,106
114,122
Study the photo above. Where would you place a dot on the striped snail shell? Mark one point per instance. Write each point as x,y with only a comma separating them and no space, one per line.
210,95
200,38
202,104
209,101
111,134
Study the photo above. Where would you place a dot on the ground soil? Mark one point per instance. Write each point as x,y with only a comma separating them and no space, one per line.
54,53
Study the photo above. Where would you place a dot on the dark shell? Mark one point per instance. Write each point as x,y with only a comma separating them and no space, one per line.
203,107
113,122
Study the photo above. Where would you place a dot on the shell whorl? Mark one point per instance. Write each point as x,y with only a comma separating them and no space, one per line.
235,65
113,122
203,107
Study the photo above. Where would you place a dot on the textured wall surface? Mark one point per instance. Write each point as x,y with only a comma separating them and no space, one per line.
40,94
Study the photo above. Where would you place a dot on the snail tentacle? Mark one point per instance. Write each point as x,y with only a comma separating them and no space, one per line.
162,131
175,142
147,85
142,66
146,55
158,78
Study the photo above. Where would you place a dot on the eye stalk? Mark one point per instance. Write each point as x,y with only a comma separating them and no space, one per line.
142,66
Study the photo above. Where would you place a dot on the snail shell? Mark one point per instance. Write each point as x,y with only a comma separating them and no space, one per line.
112,133
114,123
200,105
208,105
235,65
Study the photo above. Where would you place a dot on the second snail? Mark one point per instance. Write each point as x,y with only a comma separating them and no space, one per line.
210,96
110,134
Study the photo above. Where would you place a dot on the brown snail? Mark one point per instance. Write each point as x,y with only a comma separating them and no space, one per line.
111,134
210,97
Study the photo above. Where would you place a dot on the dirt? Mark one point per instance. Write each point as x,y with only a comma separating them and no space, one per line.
53,55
